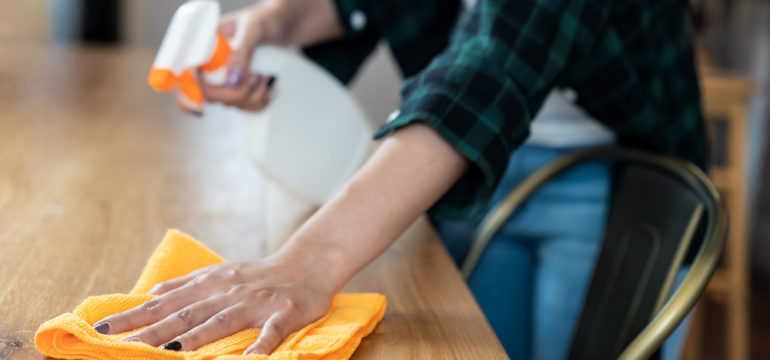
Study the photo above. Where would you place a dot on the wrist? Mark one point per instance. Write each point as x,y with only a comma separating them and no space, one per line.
271,18
324,265
300,22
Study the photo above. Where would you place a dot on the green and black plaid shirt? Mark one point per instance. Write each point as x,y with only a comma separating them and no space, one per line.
630,62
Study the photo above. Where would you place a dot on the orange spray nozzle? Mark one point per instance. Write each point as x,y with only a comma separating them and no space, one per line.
162,79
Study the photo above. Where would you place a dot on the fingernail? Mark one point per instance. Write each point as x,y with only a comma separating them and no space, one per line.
193,112
132,339
102,328
254,81
174,346
270,81
235,77
252,351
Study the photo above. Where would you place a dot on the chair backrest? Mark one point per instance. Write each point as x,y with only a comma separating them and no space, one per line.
657,206
651,222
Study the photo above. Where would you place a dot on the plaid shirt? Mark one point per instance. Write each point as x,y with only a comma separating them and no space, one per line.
630,62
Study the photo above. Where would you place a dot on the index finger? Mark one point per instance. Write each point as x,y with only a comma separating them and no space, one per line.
173,284
230,95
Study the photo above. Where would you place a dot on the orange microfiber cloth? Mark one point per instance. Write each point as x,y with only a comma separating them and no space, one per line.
71,335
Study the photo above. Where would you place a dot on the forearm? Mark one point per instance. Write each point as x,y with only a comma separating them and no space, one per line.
410,171
303,22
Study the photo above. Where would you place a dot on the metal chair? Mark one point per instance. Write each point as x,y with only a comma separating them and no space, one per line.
659,205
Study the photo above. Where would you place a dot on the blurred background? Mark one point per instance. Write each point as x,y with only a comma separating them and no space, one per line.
733,50
142,24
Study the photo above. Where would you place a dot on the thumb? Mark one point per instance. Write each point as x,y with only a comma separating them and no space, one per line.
272,334
244,33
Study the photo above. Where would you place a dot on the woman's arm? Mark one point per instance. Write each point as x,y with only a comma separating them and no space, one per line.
292,288
304,22
410,170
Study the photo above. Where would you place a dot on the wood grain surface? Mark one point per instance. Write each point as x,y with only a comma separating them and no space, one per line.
94,167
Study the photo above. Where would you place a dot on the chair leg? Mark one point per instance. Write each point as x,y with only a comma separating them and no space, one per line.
693,346
738,313
737,242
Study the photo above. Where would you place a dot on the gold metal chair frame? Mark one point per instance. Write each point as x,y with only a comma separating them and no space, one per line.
670,314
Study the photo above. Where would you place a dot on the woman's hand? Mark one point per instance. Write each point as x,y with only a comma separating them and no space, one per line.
411,169
217,301
245,29
278,22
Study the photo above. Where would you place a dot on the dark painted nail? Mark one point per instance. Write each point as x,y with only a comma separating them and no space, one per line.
174,346
235,77
131,339
270,81
194,113
102,328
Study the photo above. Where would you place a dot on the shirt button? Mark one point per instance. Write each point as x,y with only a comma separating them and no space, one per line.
570,94
357,20
394,115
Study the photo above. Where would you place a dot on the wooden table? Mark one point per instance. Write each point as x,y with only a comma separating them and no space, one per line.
94,167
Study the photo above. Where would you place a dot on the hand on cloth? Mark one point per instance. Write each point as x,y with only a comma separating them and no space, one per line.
220,300
214,311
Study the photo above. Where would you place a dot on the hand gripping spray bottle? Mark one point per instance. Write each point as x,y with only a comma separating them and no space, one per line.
310,139
312,136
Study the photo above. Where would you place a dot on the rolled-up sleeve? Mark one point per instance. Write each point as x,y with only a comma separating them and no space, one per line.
482,91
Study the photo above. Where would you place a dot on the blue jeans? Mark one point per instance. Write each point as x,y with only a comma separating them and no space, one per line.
533,277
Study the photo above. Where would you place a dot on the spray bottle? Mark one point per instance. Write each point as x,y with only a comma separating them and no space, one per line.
310,139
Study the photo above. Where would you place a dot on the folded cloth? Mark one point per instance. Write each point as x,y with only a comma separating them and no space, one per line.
71,335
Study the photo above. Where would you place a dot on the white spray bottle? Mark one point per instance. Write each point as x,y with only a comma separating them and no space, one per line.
310,139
